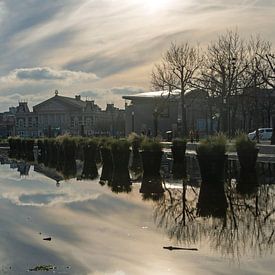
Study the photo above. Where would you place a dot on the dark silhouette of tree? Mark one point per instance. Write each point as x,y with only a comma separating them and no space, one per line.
247,228
176,70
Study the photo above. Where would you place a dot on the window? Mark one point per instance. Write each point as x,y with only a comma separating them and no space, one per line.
72,122
29,122
165,112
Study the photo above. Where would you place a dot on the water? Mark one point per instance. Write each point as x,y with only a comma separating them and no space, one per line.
97,231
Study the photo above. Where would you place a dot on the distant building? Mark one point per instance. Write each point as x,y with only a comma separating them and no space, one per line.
65,115
143,108
7,123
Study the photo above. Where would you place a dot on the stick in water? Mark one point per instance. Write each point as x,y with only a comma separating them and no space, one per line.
179,248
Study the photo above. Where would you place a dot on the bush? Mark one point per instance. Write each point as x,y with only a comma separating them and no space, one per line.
106,142
247,153
135,141
244,144
150,145
121,145
212,146
179,142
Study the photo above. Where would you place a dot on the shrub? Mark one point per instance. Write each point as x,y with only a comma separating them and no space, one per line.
121,145
179,142
212,146
106,142
244,144
150,145
135,141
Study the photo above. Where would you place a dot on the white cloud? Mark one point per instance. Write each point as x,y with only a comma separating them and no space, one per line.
46,74
101,45
42,199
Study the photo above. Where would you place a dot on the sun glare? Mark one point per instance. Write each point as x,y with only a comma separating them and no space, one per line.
155,5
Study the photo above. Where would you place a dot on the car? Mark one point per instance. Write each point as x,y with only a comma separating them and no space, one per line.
264,134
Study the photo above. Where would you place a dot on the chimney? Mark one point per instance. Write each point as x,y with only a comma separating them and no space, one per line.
78,97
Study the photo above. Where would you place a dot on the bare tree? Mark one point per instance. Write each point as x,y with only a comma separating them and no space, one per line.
268,61
176,71
224,64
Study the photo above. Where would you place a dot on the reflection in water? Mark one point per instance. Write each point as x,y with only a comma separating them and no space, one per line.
151,185
107,165
135,166
23,168
212,201
235,225
247,182
121,181
176,212
236,218
119,186
89,167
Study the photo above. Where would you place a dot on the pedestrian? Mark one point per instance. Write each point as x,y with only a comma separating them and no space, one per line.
257,136
191,136
197,136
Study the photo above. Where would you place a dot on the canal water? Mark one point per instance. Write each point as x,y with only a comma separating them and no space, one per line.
83,227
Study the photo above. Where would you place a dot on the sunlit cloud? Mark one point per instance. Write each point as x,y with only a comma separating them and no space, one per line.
92,45
42,199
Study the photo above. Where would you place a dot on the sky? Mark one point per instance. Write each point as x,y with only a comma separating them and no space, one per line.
104,49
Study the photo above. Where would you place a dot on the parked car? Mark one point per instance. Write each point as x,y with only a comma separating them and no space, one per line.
264,134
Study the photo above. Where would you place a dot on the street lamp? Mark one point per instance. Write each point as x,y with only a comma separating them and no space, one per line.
155,116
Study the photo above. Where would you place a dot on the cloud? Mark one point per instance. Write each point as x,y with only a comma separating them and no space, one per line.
92,94
102,47
47,74
41,199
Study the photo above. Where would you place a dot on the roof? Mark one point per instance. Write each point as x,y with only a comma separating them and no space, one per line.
74,102
154,94
65,99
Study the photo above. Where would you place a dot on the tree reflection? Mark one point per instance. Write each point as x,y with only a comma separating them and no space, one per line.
236,225
176,212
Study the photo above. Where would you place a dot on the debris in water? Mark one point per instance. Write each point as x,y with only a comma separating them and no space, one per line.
43,268
179,248
47,239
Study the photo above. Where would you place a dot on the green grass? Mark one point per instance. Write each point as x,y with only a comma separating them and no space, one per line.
213,145
151,145
244,144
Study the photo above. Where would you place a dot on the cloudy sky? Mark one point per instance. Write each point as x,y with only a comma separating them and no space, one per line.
103,49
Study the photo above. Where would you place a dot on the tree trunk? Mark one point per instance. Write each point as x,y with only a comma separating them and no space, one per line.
183,115
233,121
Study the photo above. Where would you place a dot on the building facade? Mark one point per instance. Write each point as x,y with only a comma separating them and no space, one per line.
65,115
250,109
161,111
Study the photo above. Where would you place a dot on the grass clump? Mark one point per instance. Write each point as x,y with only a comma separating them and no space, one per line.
151,145
212,146
179,142
244,144
106,142
121,145
135,141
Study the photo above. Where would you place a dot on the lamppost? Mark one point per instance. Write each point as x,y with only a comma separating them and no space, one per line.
179,132
133,121
232,78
